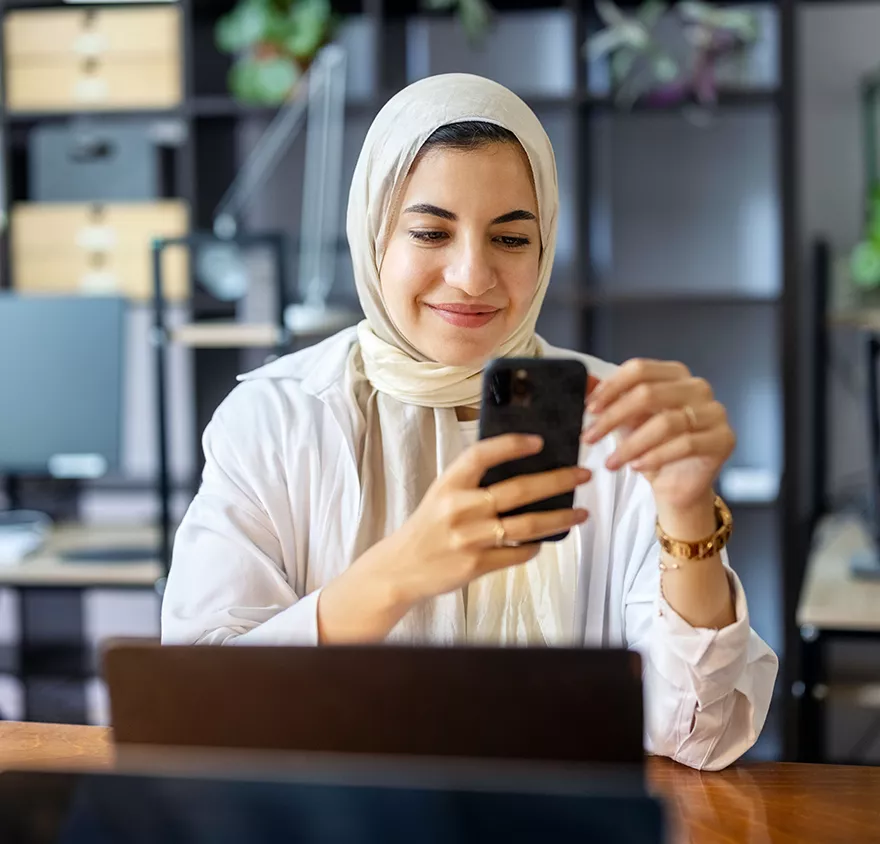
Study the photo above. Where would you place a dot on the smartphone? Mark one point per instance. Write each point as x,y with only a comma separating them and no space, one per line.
543,396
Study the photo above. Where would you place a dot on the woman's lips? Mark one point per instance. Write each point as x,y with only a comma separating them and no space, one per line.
465,316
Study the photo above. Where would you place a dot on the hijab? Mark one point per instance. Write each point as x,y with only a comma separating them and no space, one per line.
408,401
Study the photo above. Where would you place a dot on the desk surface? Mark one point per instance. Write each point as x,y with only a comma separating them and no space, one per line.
831,597
794,804
45,568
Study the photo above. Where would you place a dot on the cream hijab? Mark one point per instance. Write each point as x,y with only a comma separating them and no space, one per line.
408,401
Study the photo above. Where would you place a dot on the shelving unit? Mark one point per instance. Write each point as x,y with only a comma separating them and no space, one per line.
588,306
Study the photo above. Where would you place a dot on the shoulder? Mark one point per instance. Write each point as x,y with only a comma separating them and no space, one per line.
601,369
282,397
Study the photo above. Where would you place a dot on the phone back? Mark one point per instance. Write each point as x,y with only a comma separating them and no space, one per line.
543,396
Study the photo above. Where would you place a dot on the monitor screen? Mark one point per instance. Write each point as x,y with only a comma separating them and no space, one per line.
61,364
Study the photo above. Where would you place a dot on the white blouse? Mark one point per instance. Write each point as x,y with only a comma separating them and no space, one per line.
276,516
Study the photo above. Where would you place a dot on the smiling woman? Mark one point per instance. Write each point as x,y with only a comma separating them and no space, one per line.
341,497
465,249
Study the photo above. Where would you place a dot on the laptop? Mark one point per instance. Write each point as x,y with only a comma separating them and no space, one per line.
355,801
554,704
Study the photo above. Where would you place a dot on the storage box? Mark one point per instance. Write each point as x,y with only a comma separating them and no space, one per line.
98,249
68,59
95,161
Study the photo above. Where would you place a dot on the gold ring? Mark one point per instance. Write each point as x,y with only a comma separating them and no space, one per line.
500,533
691,417
493,504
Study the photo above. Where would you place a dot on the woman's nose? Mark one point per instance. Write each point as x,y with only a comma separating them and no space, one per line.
471,271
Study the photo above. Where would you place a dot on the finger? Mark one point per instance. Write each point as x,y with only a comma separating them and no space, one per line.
503,558
592,384
535,526
516,492
634,372
663,427
645,400
484,533
469,467
716,442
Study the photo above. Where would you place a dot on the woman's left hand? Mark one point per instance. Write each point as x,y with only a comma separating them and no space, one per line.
672,428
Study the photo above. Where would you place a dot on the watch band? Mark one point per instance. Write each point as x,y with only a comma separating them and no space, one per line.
704,548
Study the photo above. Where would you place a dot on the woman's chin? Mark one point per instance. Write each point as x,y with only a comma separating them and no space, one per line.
466,352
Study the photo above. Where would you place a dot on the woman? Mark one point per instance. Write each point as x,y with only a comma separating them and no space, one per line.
341,502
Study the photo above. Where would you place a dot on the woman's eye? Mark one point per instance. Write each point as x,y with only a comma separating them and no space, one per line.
513,242
427,236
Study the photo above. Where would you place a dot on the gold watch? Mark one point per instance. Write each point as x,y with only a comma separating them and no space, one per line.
704,548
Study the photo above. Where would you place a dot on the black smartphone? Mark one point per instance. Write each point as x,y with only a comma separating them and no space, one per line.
543,396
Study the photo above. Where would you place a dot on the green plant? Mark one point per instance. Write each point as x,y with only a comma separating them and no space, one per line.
273,42
475,15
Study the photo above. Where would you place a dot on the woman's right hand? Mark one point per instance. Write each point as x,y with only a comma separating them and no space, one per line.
450,540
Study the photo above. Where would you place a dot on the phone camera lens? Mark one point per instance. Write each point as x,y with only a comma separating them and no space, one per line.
521,385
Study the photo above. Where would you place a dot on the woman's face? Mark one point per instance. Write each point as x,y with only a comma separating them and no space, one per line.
461,263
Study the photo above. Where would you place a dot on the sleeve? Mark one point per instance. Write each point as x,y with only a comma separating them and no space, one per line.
227,583
707,692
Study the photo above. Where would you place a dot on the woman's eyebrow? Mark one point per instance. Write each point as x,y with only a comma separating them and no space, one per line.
435,211
513,216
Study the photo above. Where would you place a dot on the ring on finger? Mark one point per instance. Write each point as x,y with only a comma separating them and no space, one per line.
500,533
691,415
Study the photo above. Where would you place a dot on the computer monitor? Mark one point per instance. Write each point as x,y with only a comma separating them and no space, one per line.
62,360
61,370
866,562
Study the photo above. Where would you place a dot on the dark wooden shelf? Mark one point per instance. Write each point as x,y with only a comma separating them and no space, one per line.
618,299
30,118
220,106
727,98
10,5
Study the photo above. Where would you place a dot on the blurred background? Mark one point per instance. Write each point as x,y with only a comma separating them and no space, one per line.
174,182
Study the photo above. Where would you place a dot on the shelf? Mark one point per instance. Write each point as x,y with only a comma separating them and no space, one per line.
9,5
736,503
220,106
680,298
864,318
227,335
727,98
224,106
28,118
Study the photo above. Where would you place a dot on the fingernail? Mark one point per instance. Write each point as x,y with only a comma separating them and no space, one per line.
535,442
638,465
583,475
612,462
581,515
590,434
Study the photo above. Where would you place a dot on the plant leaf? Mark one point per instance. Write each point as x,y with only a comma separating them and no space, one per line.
244,27
309,25
475,18
263,81
275,78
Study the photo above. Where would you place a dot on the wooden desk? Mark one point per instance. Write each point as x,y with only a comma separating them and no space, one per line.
791,804
833,605
46,568
831,598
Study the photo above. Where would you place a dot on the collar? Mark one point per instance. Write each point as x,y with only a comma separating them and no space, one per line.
316,368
